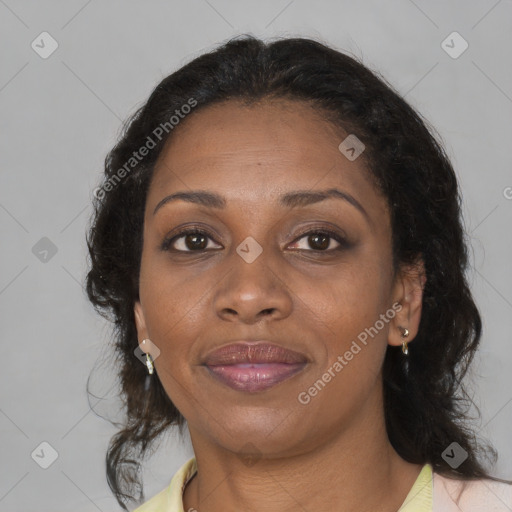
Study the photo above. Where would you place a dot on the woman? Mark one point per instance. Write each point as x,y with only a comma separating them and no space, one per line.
278,238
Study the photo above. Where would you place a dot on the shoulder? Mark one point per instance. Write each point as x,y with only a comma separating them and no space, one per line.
170,499
470,495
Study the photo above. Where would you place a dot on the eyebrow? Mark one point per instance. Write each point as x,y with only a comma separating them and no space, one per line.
290,199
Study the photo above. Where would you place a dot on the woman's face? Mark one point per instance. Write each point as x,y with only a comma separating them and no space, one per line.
256,275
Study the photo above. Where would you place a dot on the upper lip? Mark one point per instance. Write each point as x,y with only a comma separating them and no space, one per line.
260,352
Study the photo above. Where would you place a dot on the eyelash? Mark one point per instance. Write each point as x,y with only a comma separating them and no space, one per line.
167,243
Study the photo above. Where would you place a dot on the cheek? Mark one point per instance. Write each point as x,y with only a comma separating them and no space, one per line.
351,300
172,320
172,308
348,372
347,311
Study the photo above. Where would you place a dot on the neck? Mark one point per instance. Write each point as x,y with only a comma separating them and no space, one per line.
356,470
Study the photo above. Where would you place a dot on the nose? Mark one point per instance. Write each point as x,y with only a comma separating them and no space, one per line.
251,292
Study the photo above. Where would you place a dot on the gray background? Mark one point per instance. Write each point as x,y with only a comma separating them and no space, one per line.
61,115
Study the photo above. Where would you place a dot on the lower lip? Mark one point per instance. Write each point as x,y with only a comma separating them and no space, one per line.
254,377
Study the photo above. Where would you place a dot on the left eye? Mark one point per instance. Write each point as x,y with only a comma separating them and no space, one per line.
320,241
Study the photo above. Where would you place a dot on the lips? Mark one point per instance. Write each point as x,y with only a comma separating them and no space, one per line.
253,366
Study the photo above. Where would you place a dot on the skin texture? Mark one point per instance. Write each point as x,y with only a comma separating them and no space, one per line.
334,449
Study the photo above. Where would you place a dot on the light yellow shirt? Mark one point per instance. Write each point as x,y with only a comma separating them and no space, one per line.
170,499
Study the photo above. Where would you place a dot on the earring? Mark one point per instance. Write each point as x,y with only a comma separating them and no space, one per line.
149,364
149,360
405,333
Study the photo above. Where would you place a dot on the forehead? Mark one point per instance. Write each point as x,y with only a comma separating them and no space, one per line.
256,153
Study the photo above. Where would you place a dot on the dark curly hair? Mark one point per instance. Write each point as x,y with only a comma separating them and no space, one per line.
426,405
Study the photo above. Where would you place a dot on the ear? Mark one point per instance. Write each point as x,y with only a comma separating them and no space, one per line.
408,292
140,323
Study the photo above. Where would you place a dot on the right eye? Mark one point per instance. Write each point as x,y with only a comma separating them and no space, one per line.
188,240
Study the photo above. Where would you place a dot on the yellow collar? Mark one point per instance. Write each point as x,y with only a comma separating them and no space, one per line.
419,498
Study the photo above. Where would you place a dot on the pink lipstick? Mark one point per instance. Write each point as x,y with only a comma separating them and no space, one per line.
251,366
